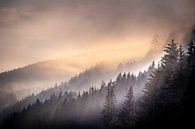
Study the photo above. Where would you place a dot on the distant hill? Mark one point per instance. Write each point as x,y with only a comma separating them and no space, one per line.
32,79
31,75
36,77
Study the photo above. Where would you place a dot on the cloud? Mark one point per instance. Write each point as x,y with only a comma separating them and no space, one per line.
34,30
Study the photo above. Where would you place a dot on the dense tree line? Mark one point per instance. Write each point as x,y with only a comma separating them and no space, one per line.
168,94
67,108
166,101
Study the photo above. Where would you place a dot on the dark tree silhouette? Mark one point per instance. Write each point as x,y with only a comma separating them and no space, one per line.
167,100
109,111
169,60
127,114
168,96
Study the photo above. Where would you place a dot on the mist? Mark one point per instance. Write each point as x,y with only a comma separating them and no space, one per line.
66,63
40,30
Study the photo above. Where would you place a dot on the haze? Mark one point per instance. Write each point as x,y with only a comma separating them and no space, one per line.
89,31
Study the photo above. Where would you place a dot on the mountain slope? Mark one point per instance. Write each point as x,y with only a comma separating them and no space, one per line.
36,77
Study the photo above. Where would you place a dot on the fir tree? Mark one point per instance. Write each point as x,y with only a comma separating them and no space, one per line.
169,60
119,77
190,73
126,115
191,54
191,48
172,92
109,111
181,54
151,93
169,66
151,68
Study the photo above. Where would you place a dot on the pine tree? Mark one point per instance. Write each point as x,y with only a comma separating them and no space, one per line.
109,111
151,93
181,54
172,92
169,91
179,73
151,68
126,115
191,48
191,54
170,57
119,78
190,72
181,57
169,67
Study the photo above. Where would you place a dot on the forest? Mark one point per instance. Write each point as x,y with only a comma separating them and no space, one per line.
160,97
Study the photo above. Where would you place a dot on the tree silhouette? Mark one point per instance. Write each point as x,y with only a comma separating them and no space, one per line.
170,57
127,114
109,111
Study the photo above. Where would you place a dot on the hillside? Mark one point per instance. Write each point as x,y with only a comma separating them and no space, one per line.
157,98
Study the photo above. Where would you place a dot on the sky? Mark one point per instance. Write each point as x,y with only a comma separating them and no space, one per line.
96,30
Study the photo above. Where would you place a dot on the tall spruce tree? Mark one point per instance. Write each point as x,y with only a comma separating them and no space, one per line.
109,111
169,60
169,93
157,87
126,114
180,73
151,92
172,92
191,54
169,64
151,68
189,89
181,57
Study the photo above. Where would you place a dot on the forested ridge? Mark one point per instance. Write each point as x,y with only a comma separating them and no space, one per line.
166,99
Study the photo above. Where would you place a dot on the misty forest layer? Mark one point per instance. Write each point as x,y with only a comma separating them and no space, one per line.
97,64
160,97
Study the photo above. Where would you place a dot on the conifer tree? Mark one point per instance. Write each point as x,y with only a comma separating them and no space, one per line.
151,68
151,93
119,77
169,66
170,57
179,73
172,92
160,90
109,111
190,73
126,115
191,48
181,54
191,54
